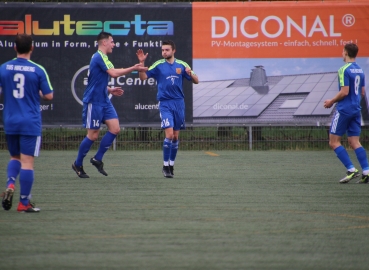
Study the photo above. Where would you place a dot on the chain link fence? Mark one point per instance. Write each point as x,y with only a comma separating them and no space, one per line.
201,138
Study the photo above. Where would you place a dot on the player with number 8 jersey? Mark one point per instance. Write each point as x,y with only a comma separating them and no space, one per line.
347,118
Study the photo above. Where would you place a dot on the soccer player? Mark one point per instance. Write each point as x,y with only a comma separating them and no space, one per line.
23,82
347,118
97,107
169,73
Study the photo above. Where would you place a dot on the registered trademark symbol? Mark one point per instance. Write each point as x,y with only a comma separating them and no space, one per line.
348,20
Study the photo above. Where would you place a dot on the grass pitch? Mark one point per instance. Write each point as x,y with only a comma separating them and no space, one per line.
223,210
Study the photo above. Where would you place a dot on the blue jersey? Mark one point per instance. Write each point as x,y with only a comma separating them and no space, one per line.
21,80
169,78
351,75
96,91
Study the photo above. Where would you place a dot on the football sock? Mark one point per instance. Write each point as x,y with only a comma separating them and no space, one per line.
26,178
167,146
173,152
83,150
13,169
105,143
362,158
343,157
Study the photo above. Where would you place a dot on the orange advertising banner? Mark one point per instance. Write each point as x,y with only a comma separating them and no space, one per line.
279,29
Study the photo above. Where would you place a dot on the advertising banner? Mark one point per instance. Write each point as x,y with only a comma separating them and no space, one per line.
273,62
65,39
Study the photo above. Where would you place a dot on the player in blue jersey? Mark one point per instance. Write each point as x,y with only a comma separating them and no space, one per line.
169,73
23,82
97,107
347,118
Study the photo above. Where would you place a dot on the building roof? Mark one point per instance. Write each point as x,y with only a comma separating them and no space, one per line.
292,99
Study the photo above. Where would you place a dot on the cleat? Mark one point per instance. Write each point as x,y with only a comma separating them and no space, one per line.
79,171
8,197
171,169
349,176
364,179
99,165
166,172
30,208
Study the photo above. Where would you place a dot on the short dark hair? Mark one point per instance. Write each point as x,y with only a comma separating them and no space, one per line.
23,43
352,49
103,35
169,42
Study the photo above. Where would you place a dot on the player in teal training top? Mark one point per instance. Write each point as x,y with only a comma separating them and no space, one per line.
97,107
169,73
23,82
347,118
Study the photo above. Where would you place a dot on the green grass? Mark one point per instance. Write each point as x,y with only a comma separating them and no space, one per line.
237,210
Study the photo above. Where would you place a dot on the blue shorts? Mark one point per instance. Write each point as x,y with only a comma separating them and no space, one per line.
23,144
172,114
94,115
342,123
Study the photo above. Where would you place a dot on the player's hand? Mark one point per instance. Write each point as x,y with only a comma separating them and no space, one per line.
116,91
188,71
141,56
140,68
328,103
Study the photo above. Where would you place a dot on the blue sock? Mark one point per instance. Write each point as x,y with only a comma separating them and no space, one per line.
174,150
167,146
105,143
343,157
361,157
26,178
13,169
83,150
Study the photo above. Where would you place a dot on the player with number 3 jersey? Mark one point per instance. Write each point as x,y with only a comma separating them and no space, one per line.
23,82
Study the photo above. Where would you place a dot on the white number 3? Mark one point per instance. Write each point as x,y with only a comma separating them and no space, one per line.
19,92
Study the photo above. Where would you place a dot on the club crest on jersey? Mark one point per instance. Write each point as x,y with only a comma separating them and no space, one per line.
178,70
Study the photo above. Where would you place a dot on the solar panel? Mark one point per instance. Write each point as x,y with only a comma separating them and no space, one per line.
321,86
255,110
305,109
314,97
329,77
314,78
292,88
306,88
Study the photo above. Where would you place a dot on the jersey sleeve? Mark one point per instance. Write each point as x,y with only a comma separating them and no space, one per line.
346,78
184,73
343,77
103,62
152,72
363,81
45,84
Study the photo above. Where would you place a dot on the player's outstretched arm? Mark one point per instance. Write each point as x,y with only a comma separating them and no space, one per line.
116,72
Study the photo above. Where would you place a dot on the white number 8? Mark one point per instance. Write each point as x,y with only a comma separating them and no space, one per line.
19,92
357,84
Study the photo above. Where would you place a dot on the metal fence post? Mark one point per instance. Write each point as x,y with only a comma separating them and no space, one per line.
250,137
